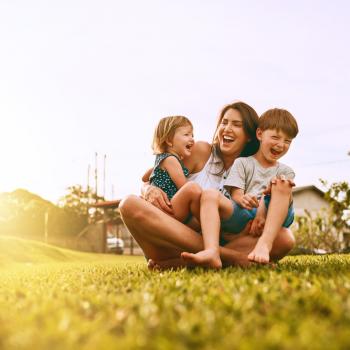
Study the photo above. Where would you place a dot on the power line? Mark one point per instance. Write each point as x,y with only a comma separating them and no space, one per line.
327,162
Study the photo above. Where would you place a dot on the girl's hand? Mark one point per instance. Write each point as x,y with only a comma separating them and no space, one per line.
158,198
248,202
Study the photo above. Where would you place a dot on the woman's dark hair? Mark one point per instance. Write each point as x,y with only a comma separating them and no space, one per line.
250,121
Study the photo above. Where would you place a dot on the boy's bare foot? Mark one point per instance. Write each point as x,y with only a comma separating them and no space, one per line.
162,265
207,258
260,254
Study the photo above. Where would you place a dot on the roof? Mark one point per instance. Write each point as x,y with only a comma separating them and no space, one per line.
106,204
309,187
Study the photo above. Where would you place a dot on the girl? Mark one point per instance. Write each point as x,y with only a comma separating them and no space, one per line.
172,143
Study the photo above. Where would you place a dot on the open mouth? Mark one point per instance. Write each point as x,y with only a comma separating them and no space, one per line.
275,153
227,139
189,146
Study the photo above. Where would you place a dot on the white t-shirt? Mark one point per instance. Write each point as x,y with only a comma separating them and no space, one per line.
207,178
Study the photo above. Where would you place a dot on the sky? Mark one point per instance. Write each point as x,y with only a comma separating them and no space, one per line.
85,77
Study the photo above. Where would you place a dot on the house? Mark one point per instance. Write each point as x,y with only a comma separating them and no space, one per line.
94,237
310,198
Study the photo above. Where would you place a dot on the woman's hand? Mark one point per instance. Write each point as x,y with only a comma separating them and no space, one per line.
231,237
257,227
158,198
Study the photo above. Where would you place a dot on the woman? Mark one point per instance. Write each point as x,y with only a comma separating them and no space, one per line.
161,237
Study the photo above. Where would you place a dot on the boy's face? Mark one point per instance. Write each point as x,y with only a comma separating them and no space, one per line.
274,144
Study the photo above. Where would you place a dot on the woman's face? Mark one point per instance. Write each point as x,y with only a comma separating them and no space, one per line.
230,134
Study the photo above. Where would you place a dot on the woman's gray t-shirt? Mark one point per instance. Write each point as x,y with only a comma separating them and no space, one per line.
248,174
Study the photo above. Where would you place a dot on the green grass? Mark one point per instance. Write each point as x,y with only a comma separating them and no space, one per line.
18,250
303,303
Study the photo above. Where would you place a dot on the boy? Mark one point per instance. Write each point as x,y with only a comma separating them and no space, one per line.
247,181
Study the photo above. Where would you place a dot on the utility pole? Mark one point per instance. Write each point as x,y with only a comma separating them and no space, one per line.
88,178
96,189
104,176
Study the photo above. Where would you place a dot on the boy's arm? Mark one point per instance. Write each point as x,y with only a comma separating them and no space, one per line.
236,185
246,201
174,169
146,176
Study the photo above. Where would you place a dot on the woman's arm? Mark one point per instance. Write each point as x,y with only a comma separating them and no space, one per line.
259,220
147,175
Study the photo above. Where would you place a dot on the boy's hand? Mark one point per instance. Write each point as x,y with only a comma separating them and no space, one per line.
257,227
248,202
274,181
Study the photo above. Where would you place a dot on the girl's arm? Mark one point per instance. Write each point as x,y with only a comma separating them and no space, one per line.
174,169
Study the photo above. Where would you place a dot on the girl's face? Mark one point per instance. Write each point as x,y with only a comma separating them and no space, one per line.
182,141
230,133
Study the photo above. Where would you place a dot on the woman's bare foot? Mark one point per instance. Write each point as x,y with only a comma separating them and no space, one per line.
261,253
237,259
207,258
152,265
168,264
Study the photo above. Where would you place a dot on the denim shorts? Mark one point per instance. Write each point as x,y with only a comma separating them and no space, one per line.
240,217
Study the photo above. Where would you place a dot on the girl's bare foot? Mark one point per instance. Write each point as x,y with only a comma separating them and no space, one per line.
260,254
207,258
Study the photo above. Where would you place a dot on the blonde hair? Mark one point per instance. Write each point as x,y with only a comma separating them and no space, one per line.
165,132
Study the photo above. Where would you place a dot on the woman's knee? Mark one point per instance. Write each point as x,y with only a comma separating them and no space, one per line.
130,207
289,239
283,244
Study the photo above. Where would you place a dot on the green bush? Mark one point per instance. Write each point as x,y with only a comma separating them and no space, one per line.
327,229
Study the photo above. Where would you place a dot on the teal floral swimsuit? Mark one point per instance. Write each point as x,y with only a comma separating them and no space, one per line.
161,178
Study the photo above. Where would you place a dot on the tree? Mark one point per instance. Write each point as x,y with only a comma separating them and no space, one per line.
338,195
80,202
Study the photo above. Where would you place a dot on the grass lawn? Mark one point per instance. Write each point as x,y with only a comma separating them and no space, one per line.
59,299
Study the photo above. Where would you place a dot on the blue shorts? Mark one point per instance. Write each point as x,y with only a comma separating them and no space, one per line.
240,217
